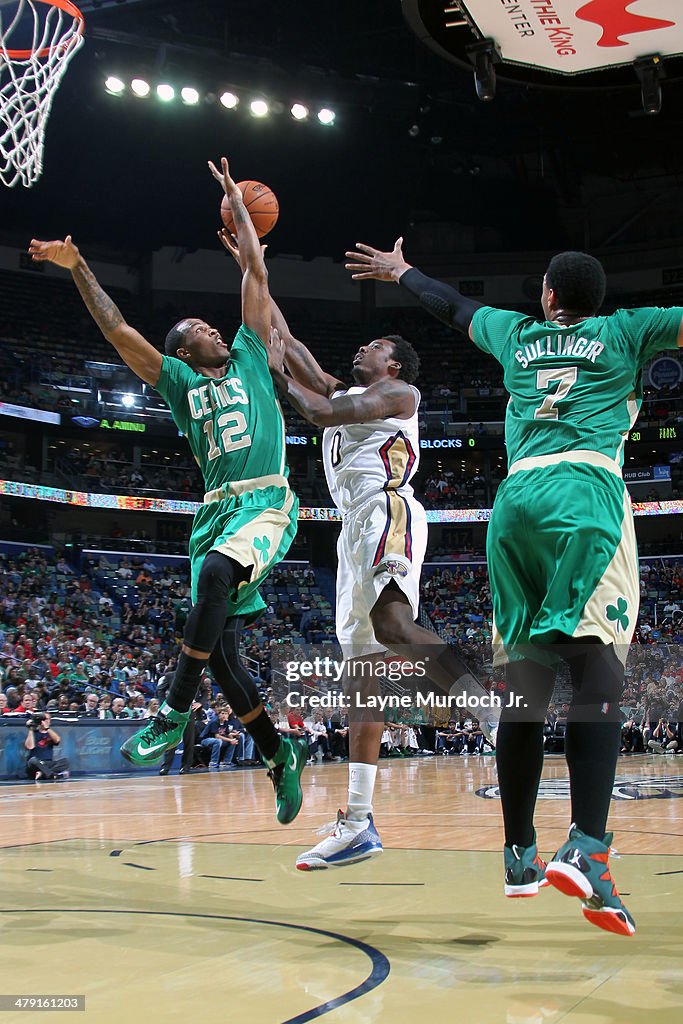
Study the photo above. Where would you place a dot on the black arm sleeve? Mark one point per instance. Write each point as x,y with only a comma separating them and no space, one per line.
441,300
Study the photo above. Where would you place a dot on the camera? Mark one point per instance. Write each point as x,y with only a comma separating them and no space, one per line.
37,718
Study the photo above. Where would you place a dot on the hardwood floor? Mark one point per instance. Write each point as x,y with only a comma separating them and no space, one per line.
177,898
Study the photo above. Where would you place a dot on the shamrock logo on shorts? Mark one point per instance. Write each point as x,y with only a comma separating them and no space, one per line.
262,545
617,613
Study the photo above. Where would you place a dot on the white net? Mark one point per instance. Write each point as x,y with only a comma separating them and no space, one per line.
38,38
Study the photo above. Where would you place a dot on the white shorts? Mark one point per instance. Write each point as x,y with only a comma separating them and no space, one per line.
383,541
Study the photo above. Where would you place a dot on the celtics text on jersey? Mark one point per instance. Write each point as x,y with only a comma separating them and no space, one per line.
234,424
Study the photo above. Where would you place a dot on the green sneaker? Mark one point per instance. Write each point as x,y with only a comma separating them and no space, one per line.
524,870
163,732
285,773
581,868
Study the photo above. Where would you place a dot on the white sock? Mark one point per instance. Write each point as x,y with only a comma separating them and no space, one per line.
361,787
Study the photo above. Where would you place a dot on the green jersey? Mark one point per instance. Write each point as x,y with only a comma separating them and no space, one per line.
234,424
573,387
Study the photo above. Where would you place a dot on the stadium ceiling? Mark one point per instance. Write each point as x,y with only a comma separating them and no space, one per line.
411,144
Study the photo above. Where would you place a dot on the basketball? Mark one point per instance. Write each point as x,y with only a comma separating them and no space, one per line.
262,206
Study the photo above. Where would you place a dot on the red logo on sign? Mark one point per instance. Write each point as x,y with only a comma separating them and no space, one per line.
616,20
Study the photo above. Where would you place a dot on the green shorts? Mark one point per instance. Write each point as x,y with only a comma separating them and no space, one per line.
256,528
563,560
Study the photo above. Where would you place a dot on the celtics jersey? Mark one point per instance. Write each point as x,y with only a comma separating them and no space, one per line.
576,387
234,424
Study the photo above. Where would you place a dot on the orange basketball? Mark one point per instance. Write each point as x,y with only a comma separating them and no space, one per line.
261,203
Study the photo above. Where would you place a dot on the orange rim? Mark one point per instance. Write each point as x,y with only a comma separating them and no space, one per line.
65,5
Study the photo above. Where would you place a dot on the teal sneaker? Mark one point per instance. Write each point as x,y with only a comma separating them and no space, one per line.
524,870
581,868
285,773
164,732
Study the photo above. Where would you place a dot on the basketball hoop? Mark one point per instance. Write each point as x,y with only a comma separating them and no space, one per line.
29,77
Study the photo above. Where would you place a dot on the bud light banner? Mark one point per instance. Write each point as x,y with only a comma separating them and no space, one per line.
91,746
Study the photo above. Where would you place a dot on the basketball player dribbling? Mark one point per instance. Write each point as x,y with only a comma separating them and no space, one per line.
371,452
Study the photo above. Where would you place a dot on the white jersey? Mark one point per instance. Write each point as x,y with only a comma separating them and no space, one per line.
365,459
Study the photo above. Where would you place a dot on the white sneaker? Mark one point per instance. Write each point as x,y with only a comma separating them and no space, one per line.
489,727
348,843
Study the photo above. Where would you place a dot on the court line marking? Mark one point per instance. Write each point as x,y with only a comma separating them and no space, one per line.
418,884
588,995
381,965
232,878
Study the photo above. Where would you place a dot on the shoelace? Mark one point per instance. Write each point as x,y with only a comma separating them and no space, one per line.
157,728
330,827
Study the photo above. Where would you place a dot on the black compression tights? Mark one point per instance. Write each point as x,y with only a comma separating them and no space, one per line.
591,740
240,689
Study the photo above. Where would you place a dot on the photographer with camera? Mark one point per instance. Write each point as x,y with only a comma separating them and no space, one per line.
663,738
40,742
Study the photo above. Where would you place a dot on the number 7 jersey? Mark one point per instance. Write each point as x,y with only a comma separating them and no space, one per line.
234,424
576,387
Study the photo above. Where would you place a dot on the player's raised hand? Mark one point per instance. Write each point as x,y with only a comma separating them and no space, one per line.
229,242
232,245
64,254
223,177
369,263
276,352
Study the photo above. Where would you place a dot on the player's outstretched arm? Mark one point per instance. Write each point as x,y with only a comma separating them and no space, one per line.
300,362
136,352
379,401
441,300
255,295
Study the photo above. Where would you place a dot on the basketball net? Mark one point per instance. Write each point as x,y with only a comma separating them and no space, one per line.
29,78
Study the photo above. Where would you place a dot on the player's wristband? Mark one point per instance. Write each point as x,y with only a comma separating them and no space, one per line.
441,300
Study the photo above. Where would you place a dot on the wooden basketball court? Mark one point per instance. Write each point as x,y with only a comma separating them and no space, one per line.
176,899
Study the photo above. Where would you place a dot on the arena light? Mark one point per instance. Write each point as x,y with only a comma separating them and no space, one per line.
259,108
484,55
327,116
140,87
229,100
128,401
649,71
299,112
165,92
189,96
114,85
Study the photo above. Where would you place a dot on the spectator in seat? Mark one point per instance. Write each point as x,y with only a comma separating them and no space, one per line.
245,743
319,745
338,734
119,709
152,708
90,708
14,705
220,740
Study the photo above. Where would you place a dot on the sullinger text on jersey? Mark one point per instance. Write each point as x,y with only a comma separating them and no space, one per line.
560,345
